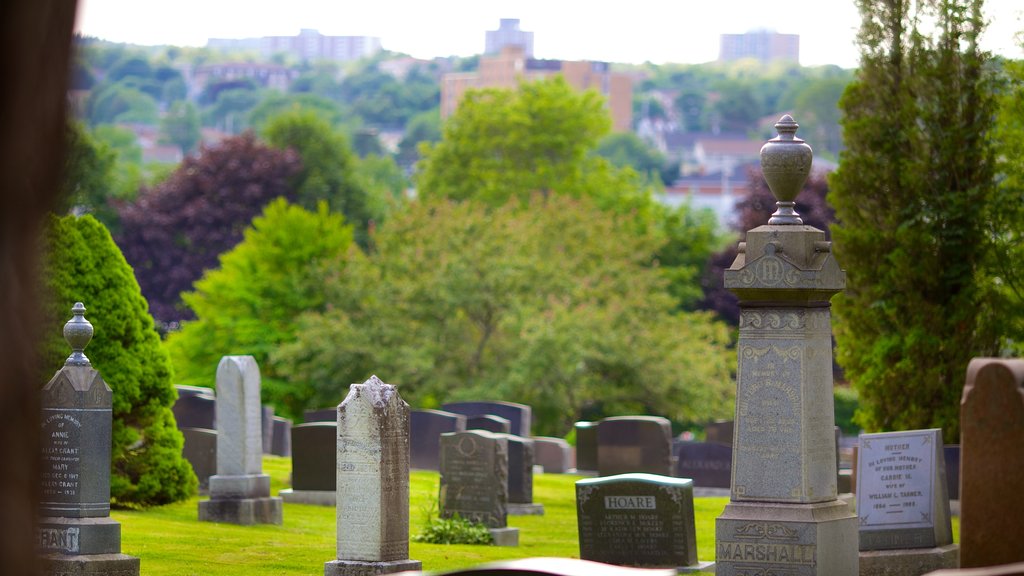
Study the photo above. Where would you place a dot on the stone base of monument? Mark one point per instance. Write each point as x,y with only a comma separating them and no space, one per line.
505,536
708,567
244,511
909,562
360,568
315,497
98,564
88,536
521,509
791,537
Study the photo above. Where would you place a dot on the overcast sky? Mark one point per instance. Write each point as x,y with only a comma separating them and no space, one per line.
635,31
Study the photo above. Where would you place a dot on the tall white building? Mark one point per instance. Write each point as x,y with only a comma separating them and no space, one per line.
509,34
308,45
763,45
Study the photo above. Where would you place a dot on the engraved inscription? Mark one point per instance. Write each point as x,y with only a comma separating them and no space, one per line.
630,503
897,473
764,553
61,457
60,539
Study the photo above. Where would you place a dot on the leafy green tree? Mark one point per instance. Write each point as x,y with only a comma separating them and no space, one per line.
120,103
328,166
84,265
180,127
423,127
275,104
627,149
554,305
911,194
230,111
88,169
385,185
250,304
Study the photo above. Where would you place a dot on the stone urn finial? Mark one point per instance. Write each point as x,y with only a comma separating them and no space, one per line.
78,333
785,162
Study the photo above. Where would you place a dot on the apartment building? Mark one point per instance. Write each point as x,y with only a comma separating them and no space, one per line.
763,45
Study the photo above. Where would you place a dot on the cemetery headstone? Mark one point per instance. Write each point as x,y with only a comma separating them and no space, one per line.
314,464
474,481
489,422
372,482
281,445
952,454
267,427
586,446
75,533
519,415
200,450
561,567
784,515
240,491
552,454
628,444
426,427
992,463
903,505
719,431
320,415
638,520
195,408
520,477
708,464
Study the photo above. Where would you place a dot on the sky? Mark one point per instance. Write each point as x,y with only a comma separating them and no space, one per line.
627,31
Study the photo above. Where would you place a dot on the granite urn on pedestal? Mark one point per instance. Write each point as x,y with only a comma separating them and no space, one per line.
784,515
75,533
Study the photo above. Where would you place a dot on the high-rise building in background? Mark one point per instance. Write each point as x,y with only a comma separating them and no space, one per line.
309,45
508,34
512,65
763,45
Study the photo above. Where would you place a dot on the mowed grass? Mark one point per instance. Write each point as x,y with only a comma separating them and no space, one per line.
171,541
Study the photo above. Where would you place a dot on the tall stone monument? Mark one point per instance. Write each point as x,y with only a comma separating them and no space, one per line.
240,491
784,516
76,533
373,482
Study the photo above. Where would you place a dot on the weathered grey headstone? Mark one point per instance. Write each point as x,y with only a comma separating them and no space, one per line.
75,533
519,415
372,482
638,520
489,422
902,504
239,492
426,427
195,408
520,477
552,454
627,444
314,464
281,445
200,450
320,415
719,431
586,446
708,464
992,463
474,480
267,427
784,515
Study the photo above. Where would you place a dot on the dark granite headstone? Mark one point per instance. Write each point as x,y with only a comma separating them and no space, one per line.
474,477
281,445
637,520
194,409
426,427
314,456
586,445
520,415
708,464
489,422
628,444
719,431
553,454
267,427
952,454
186,390
200,450
320,415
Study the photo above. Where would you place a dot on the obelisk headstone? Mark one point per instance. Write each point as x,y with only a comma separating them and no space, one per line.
76,533
372,482
240,491
784,515
992,463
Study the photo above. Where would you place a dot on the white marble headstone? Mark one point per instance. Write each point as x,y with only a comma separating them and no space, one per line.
239,431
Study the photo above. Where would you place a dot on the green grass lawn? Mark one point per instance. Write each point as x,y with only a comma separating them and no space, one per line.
171,541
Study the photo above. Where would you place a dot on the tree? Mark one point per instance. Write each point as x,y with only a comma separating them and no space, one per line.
554,305
913,187
117,103
328,172
174,232
88,169
180,127
627,149
423,127
250,304
84,264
